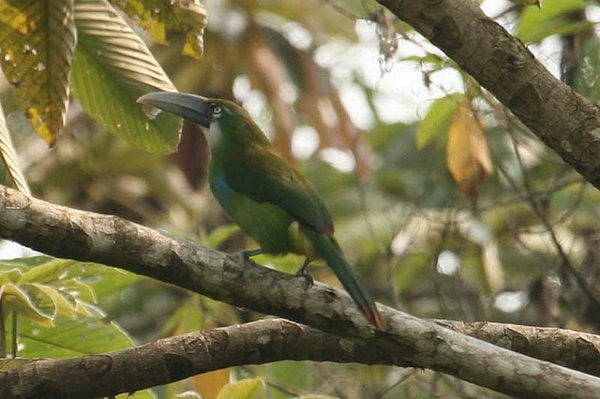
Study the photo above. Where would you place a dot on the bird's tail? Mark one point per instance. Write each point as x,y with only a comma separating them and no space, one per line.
329,250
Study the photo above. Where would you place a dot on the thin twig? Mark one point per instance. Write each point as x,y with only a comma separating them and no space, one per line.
15,331
409,373
567,265
2,331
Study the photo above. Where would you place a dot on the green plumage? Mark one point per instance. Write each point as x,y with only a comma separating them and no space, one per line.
270,200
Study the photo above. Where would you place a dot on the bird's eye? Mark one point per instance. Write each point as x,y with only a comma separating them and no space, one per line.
217,110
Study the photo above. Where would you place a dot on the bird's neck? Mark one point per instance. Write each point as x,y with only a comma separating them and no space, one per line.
231,145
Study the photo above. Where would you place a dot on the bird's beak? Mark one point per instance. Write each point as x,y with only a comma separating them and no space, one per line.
188,106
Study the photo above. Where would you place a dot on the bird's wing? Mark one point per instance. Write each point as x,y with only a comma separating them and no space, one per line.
265,177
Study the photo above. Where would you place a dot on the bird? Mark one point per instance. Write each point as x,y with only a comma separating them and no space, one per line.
269,199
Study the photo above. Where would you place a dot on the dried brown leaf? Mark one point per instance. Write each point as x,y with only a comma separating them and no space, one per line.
467,152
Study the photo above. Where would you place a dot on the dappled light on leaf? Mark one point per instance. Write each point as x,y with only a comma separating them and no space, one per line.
161,18
37,40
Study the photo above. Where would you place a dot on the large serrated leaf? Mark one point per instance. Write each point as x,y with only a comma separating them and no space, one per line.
37,38
9,156
159,17
111,69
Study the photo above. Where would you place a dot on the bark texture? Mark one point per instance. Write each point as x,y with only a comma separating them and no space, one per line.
87,236
564,120
174,358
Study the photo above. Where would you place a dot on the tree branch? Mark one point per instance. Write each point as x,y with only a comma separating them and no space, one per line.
87,236
564,120
174,358
171,359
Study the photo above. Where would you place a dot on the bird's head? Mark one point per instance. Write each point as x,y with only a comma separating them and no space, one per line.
225,120
201,110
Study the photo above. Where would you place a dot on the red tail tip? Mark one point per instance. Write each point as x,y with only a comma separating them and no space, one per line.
374,317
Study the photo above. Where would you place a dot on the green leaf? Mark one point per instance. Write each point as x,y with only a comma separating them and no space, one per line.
313,396
9,156
37,38
25,264
433,60
71,338
437,120
187,318
10,276
50,269
78,289
83,281
15,298
160,17
63,305
145,394
551,19
111,69
245,389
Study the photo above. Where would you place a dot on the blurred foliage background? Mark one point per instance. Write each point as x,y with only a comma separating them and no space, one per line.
442,200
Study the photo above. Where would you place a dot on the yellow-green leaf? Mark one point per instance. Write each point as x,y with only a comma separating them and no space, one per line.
9,156
551,19
9,276
14,298
78,289
62,306
160,17
529,2
37,39
245,389
437,120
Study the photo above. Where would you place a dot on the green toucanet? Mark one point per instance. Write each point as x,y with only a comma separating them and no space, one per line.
269,199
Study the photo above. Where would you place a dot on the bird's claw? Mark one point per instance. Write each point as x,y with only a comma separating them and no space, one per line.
244,256
308,279
302,273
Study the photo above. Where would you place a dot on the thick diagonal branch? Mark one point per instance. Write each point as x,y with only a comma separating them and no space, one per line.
564,120
87,236
172,359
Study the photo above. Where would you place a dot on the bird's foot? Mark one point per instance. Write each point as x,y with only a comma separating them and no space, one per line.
251,252
245,256
304,274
